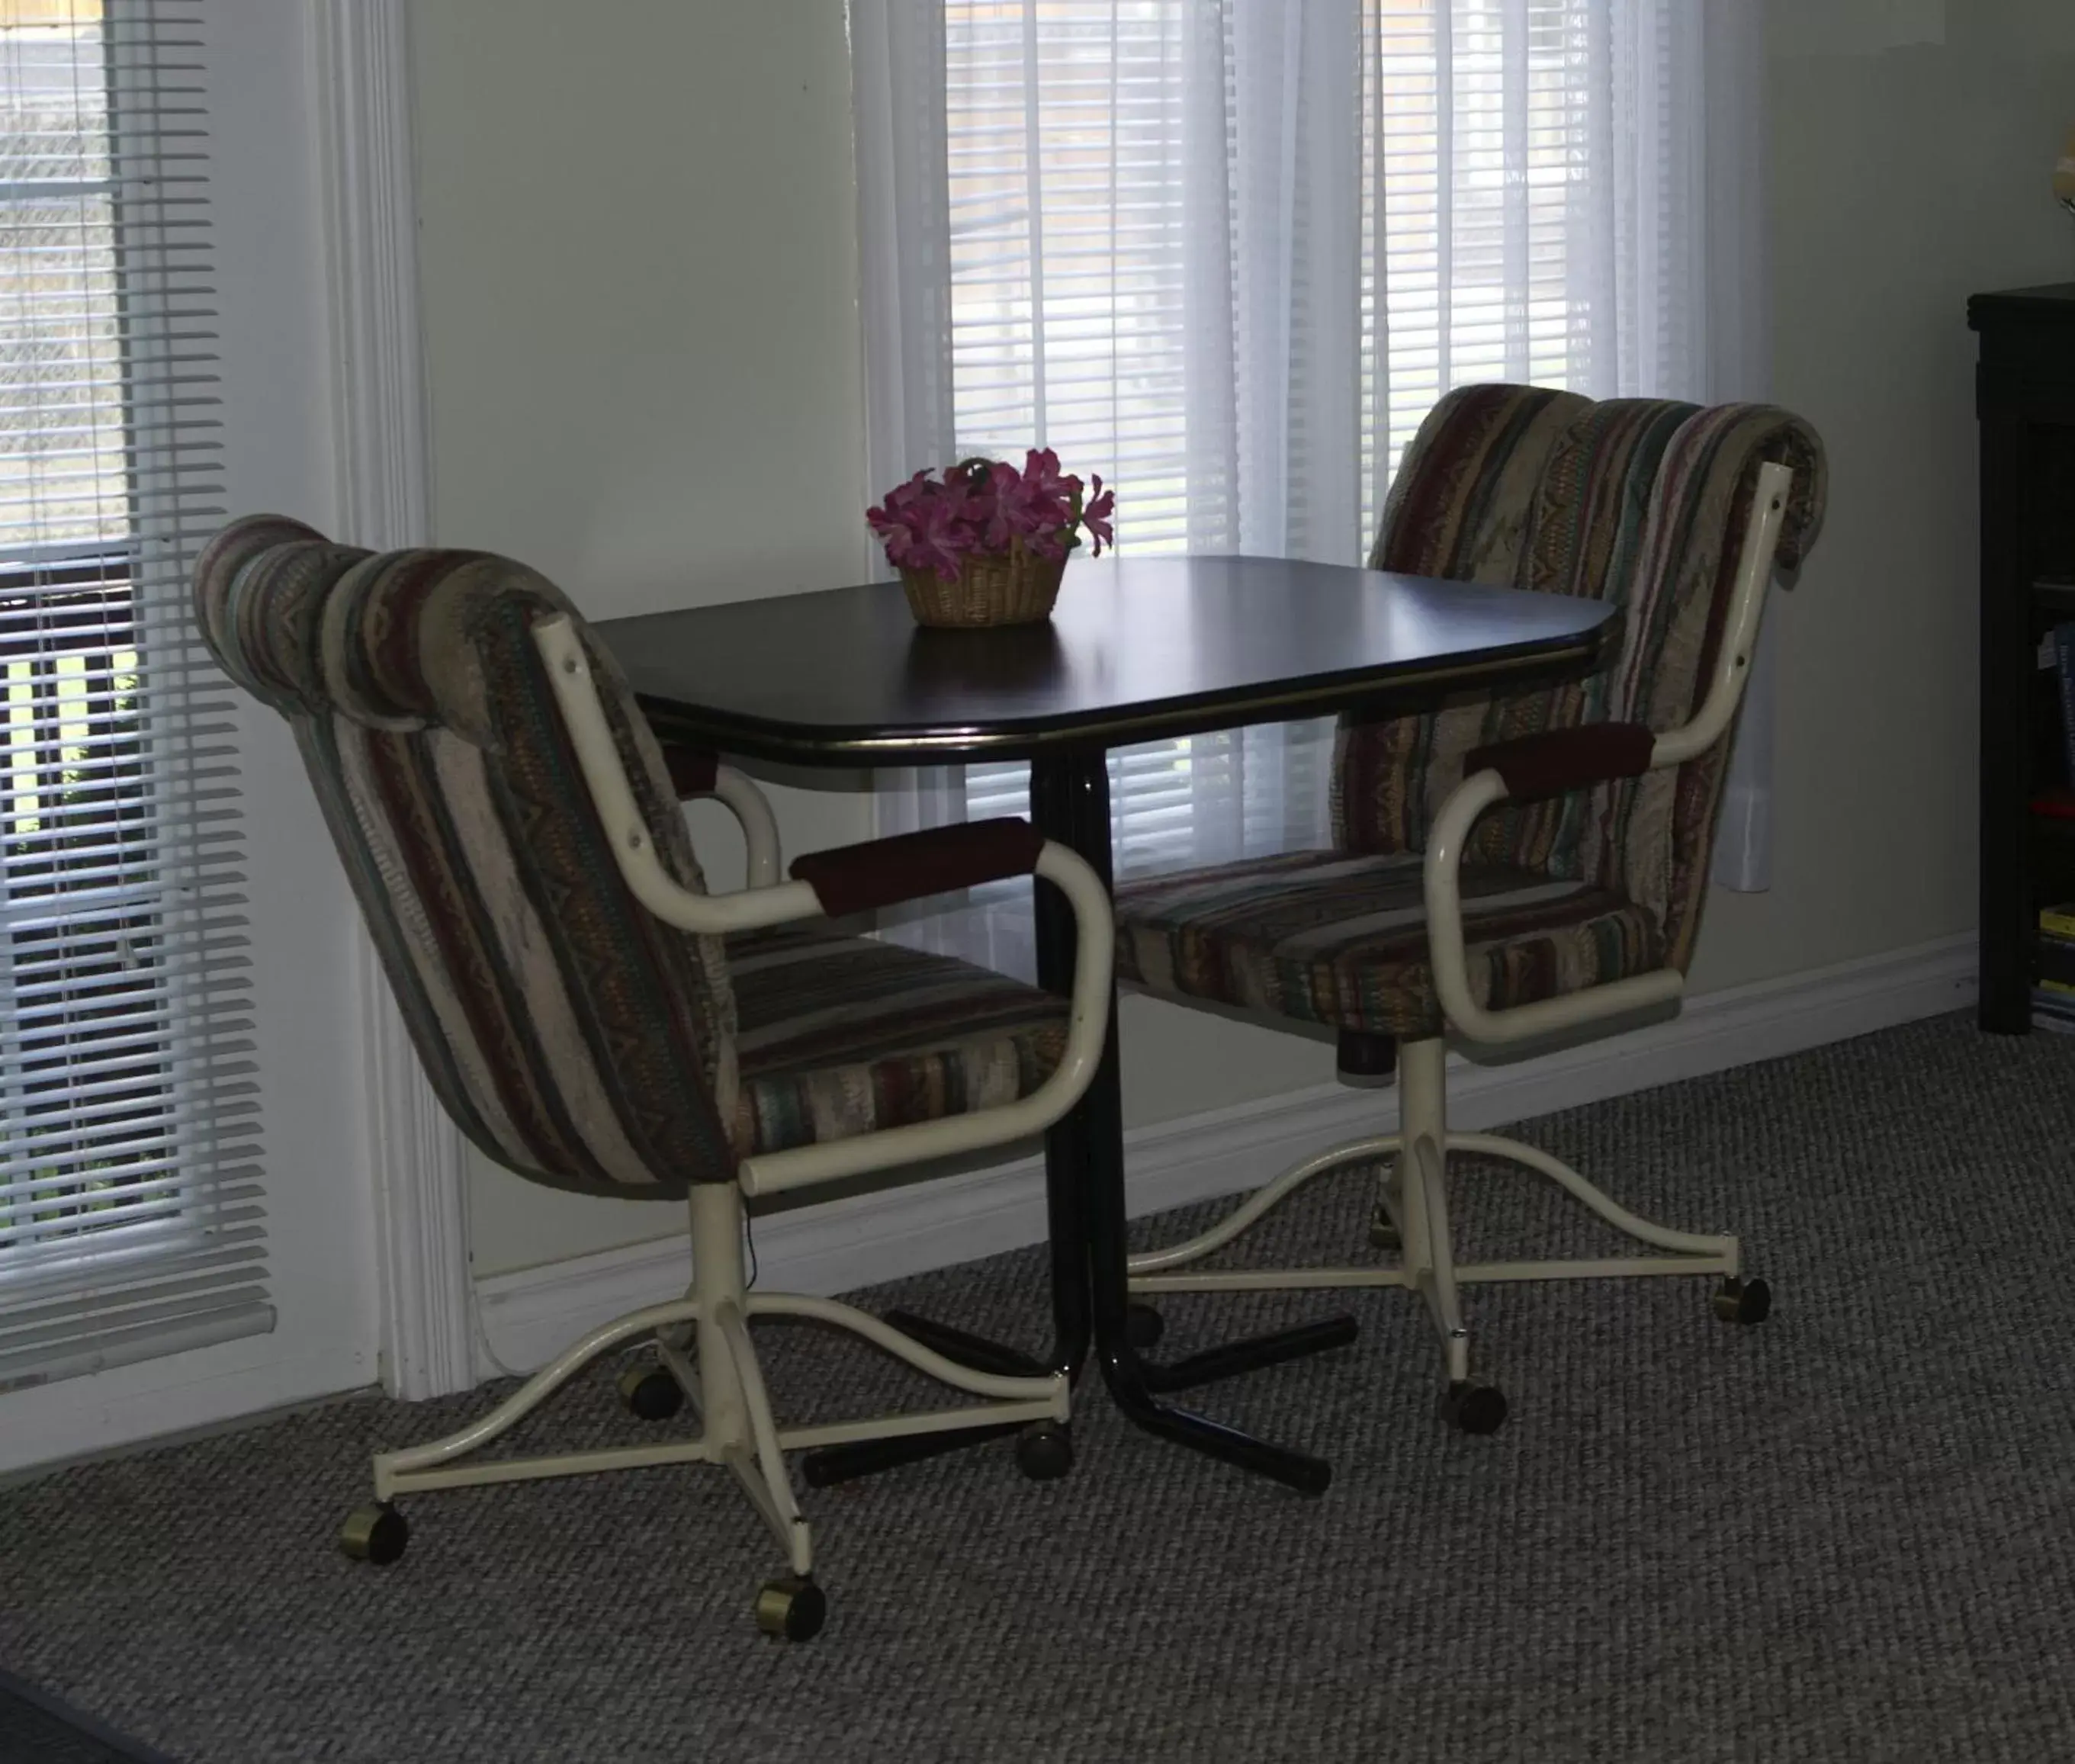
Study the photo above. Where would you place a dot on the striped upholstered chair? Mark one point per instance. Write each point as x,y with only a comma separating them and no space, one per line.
596,1021
1506,868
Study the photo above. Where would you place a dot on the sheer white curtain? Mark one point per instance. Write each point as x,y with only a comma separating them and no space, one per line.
1227,253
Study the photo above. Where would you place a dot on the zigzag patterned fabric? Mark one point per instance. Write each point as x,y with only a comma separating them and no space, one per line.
1340,938
1641,501
574,1037
838,1035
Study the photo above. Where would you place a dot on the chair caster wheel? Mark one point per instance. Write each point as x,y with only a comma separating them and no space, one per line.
793,1609
1472,1407
1044,1451
1743,1301
650,1392
1143,1327
375,1533
1383,1231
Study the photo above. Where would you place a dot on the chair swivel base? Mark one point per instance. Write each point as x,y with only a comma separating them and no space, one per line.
791,1607
706,1361
1411,1218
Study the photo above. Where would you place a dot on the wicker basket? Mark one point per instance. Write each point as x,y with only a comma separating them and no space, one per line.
1018,588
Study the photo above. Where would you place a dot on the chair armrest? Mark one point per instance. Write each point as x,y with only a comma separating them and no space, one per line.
634,849
752,908
1087,1027
697,772
1560,759
845,880
1563,760
693,770
912,865
1445,842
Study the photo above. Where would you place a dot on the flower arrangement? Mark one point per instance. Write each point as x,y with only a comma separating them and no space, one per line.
984,507
982,543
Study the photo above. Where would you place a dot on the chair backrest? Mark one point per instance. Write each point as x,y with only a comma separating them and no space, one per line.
575,1038
1642,502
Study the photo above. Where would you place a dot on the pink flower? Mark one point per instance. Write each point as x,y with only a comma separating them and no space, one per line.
933,523
1096,517
925,525
886,520
1041,476
1036,505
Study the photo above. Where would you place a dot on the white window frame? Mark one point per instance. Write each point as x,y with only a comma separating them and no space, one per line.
287,362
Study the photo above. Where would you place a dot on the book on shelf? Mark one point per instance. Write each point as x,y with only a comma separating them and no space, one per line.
2055,956
2054,1022
2058,921
2053,1008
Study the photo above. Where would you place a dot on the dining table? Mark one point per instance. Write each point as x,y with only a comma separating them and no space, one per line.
1138,648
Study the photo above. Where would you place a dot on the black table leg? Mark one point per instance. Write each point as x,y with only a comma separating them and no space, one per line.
1070,802
1085,1213
1070,1301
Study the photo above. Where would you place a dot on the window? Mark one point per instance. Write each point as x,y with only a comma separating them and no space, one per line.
130,1221
1103,159
1481,208
1229,253
1085,219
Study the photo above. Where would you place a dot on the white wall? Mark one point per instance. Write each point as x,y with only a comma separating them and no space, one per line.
639,266
1904,179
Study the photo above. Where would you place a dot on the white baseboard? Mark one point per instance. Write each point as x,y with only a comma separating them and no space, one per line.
530,1315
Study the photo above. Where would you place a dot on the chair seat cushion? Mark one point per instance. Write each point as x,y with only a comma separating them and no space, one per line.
1327,937
838,1035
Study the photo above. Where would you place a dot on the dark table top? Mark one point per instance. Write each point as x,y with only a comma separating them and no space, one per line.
1136,649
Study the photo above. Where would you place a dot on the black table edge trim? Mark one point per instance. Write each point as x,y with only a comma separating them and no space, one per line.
758,739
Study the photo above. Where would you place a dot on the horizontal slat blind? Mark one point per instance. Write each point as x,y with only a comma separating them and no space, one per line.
1082,166
131,1207
1481,237
1064,143
1068,126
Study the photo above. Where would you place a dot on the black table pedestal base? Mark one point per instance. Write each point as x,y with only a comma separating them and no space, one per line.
1229,1359
833,1464
1294,1469
1070,802
1085,1205
966,1348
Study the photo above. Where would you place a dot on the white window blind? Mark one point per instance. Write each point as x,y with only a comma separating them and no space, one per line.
1229,253
1484,166
130,1222
1089,154
1137,223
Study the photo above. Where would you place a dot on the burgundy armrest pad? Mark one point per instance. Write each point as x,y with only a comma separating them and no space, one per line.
910,866
1560,760
693,770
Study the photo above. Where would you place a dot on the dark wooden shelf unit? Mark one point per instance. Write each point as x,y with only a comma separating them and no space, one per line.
2025,400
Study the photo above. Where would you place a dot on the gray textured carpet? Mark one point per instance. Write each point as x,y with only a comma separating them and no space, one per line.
1843,1536
36,1727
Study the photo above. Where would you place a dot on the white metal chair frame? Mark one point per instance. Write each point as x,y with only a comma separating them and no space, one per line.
719,1375
1412,1197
